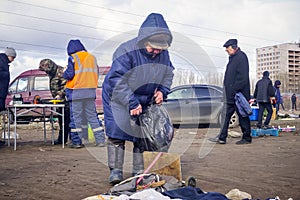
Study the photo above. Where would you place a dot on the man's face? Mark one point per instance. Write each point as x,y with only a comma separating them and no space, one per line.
10,58
44,66
230,50
153,51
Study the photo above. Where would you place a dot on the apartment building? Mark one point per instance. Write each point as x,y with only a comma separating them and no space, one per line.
283,63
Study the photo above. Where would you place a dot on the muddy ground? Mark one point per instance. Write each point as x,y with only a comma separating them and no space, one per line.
269,167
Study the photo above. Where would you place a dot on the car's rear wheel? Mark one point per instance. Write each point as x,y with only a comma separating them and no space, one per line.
234,121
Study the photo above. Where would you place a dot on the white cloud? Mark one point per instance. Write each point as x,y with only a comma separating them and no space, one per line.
43,31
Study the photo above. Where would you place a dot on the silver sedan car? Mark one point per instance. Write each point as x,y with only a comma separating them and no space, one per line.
197,104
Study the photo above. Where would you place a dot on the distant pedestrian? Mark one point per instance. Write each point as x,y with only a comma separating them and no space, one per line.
82,76
294,101
236,79
264,90
278,96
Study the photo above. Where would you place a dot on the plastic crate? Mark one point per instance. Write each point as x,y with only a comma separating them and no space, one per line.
263,132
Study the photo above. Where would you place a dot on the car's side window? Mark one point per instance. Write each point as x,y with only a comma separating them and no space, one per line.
215,93
22,85
182,94
13,88
41,83
202,92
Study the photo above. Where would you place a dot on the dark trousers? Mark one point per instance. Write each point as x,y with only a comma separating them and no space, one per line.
66,121
294,107
262,106
2,104
244,123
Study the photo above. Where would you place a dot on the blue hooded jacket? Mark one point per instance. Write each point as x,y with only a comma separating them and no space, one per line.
133,78
277,92
75,94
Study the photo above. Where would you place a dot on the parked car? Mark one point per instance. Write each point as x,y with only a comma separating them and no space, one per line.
197,104
35,82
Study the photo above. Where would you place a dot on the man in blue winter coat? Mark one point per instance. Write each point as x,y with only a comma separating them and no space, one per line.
141,71
236,79
5,58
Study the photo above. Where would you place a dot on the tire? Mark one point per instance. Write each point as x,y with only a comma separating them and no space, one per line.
234,121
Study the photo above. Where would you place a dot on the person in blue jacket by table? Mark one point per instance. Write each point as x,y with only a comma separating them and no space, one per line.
141,71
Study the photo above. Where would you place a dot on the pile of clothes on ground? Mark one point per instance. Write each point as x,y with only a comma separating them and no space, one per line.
161,187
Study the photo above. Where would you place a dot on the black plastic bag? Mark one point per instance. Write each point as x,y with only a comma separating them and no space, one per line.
155,129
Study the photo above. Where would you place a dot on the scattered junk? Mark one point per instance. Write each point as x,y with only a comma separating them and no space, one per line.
236,194
162,179
287,129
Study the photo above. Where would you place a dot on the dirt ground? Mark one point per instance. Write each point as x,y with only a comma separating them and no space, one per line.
269,167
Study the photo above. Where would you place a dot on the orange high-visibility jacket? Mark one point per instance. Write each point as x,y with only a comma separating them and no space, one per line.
86,71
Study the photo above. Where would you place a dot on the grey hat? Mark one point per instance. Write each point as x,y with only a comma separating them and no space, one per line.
10,52
159,41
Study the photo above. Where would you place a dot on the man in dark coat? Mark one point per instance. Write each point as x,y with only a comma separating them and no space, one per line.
263,92
57,87
141,71
5,58
236,79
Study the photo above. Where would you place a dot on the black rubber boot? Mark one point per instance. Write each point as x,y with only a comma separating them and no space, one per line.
115,162
137,161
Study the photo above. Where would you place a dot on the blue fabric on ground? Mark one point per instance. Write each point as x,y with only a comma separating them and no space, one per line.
191,193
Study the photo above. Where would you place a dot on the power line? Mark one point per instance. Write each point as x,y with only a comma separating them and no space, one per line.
179,23
47,31
67,11
128,13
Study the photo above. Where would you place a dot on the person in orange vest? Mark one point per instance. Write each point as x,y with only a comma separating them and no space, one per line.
82,76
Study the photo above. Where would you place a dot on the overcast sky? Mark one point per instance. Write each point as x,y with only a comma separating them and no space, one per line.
42,29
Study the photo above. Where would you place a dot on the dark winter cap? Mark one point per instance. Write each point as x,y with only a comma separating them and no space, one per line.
10,52
159,41
266,73
277,82
231,42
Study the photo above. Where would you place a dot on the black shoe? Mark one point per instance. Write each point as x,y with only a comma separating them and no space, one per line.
2,143
265,127
56,142
217,140
243,141
75,146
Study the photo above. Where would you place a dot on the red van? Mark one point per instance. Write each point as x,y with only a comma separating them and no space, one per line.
35,82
